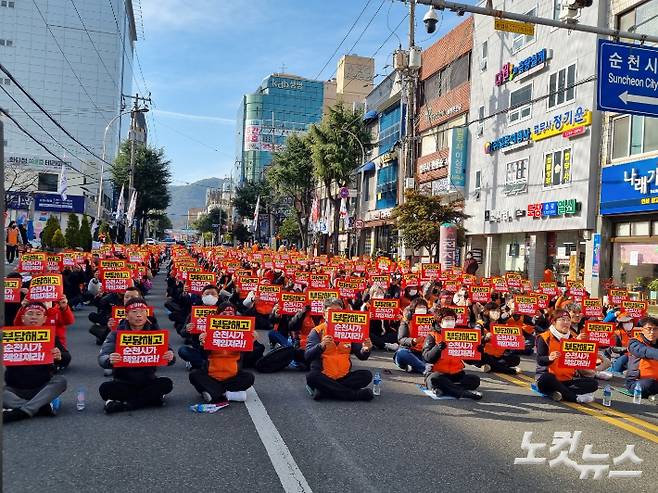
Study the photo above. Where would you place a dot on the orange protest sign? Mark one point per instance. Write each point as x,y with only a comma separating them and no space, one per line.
348,326
507,337
46,287
27,345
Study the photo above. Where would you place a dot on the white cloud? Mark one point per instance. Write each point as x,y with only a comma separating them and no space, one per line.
190,116
186,14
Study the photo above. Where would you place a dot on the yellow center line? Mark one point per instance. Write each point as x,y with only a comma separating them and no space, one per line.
628,417
524,380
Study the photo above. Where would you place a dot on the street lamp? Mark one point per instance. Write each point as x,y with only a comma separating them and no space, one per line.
359,187
100,180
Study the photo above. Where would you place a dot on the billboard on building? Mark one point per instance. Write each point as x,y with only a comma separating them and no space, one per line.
630,187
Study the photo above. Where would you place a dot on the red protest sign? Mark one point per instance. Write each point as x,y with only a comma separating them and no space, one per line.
514,283
542,300
316,298
430,272
499,284
461,343
600,332
112,264
142,347
421,325
617,296
196,281
54,262
246,284
578,354
507,337
12,290
292,303
576,289
230,333
27,345
46,287
462,315
384,309
480,294
199,318
525,305
549,288
269,293
592,307
116,281
348,326
302,277
469,280
383,281
452,286
319,281
635,309
32,262
347,289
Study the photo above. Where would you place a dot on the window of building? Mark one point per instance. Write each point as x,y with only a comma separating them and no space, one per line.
655,228
520,41
6,42
642,228
460,71
557,168
561,86
643,19
623,229
633,135
47,182
437,138
478,180
485,49
516,172
366,187
446,79
519,102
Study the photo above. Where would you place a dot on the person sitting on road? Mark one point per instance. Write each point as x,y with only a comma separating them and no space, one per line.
192,352
448,375
224,379
494,358
101,332
619,352
553,379
331,374
643,359
132,387
409,356
32,390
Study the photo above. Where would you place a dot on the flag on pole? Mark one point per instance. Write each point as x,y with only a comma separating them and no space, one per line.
120,205
256,214
62,184
132,206
315,211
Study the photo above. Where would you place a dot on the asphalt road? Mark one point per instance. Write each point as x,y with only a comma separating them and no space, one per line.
402,441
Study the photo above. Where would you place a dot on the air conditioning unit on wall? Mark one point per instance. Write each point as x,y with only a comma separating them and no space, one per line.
409,183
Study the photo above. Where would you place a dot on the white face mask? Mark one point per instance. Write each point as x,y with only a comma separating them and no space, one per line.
413,292
448,324
421,310
209,300
378,296
627,325
494,315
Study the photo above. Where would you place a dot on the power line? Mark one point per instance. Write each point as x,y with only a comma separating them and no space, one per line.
343,40
367,26
84,89
190,137
393,33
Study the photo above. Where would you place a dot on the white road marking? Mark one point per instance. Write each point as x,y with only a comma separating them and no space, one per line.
284,464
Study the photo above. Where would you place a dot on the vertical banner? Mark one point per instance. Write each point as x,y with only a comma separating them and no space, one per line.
458,157
596,254
447,245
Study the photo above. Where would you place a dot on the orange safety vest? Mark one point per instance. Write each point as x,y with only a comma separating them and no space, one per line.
264,307
528,329
223,365
623,337
648,367
12,237
307,326
561,373
444,364
336,360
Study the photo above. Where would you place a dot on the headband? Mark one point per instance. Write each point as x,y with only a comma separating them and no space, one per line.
136,306
36,306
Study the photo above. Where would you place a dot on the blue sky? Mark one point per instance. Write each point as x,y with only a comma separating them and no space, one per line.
200,56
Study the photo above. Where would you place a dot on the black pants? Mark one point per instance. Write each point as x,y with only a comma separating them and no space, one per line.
504,364
344,389
65,361
379,340
275,360
262,322
453,384
12,253
548,383
217,388
249,359
149,393
100,332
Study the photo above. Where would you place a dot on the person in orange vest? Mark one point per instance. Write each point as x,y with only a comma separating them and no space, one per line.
331,372
496,359
553,379
623,335
448,375
643,359
548,274
12,241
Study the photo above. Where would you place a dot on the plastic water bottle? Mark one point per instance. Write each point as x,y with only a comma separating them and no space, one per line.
607,396
203,408
377,384
290,341
637,394
80,399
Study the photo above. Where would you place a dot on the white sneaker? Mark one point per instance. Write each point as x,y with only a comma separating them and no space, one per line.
517,370
603,375
240,396
428,369
585,398
391,347
485,368
206,397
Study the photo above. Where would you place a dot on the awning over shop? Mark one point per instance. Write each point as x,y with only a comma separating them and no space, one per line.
370,115
369,166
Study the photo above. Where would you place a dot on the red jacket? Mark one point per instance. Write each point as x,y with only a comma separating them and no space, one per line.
55,317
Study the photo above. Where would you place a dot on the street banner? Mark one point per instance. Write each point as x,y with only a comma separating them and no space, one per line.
421,325
525,305
196,281
12,291
348,326
142,347
592,308
635,309
480,294
461,343
384,309
199,318
116,281
507,337
292,303
317,296
578,354
230,333
27,345
269,293
600,332
32,262
46,287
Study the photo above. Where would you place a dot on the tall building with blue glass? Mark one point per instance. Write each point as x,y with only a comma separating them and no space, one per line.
282,105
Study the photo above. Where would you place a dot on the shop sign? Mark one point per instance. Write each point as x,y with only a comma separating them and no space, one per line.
535,211
16,160
630,187
433,117
458,159
532,64
55,203
433,165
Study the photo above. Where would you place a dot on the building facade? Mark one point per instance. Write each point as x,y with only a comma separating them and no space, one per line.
628,222
46,48
532,180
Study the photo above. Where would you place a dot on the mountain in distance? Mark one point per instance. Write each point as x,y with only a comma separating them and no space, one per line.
184,197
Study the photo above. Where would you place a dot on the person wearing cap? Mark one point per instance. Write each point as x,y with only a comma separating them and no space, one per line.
447,374
331,374
553,379
132,387
32,390
643,359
